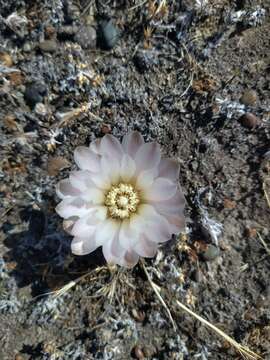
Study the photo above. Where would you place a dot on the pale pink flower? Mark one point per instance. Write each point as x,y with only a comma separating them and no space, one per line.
125,198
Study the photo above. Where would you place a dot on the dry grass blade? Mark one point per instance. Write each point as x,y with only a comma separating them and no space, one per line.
157,292
72,283
244,351
267,249
265,190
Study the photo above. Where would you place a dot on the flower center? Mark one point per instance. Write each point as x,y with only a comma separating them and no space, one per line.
122,200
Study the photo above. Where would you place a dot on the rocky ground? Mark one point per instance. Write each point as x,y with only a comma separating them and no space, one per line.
193,75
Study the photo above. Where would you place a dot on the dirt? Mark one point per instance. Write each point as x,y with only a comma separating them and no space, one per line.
183,74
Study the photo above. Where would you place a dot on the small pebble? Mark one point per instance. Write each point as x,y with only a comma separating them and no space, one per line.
49,46
249,120
229,204
106,129
143,60
40,109
249,97
6,59
211,253
251,232
108,35
86,37
138,352
34,93
49,31
27,47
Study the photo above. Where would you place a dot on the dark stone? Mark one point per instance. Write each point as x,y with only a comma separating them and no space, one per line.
143,60
249,120
34,93
108,35
86,37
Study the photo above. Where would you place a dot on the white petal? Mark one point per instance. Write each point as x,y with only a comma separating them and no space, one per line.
147,157
111,147
161,189
87,159
68,208
95,146
146,179
110,168
83,245
153,225
93,195
176,223
146,248
65,189
101,180
128,168
112,250
173,206
80,179
87,225
130,259
127,235
169,169
132,142
106,231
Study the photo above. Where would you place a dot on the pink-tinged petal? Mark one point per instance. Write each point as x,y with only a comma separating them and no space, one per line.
177,224
130,259
173,206
112,250
153,225
65,189
146,248
83,245
161,189
95,146
69,208
106,231
127,168
80,180
169,169
87,225
111,147
132,142
87,159
146,179
147,157
127,235
110,169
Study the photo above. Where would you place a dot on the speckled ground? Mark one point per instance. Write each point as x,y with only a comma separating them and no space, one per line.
193,75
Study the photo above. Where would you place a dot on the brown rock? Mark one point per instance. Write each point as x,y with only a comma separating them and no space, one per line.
106,129
6,59
229,204
138,352
249,120
55,164
249,97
